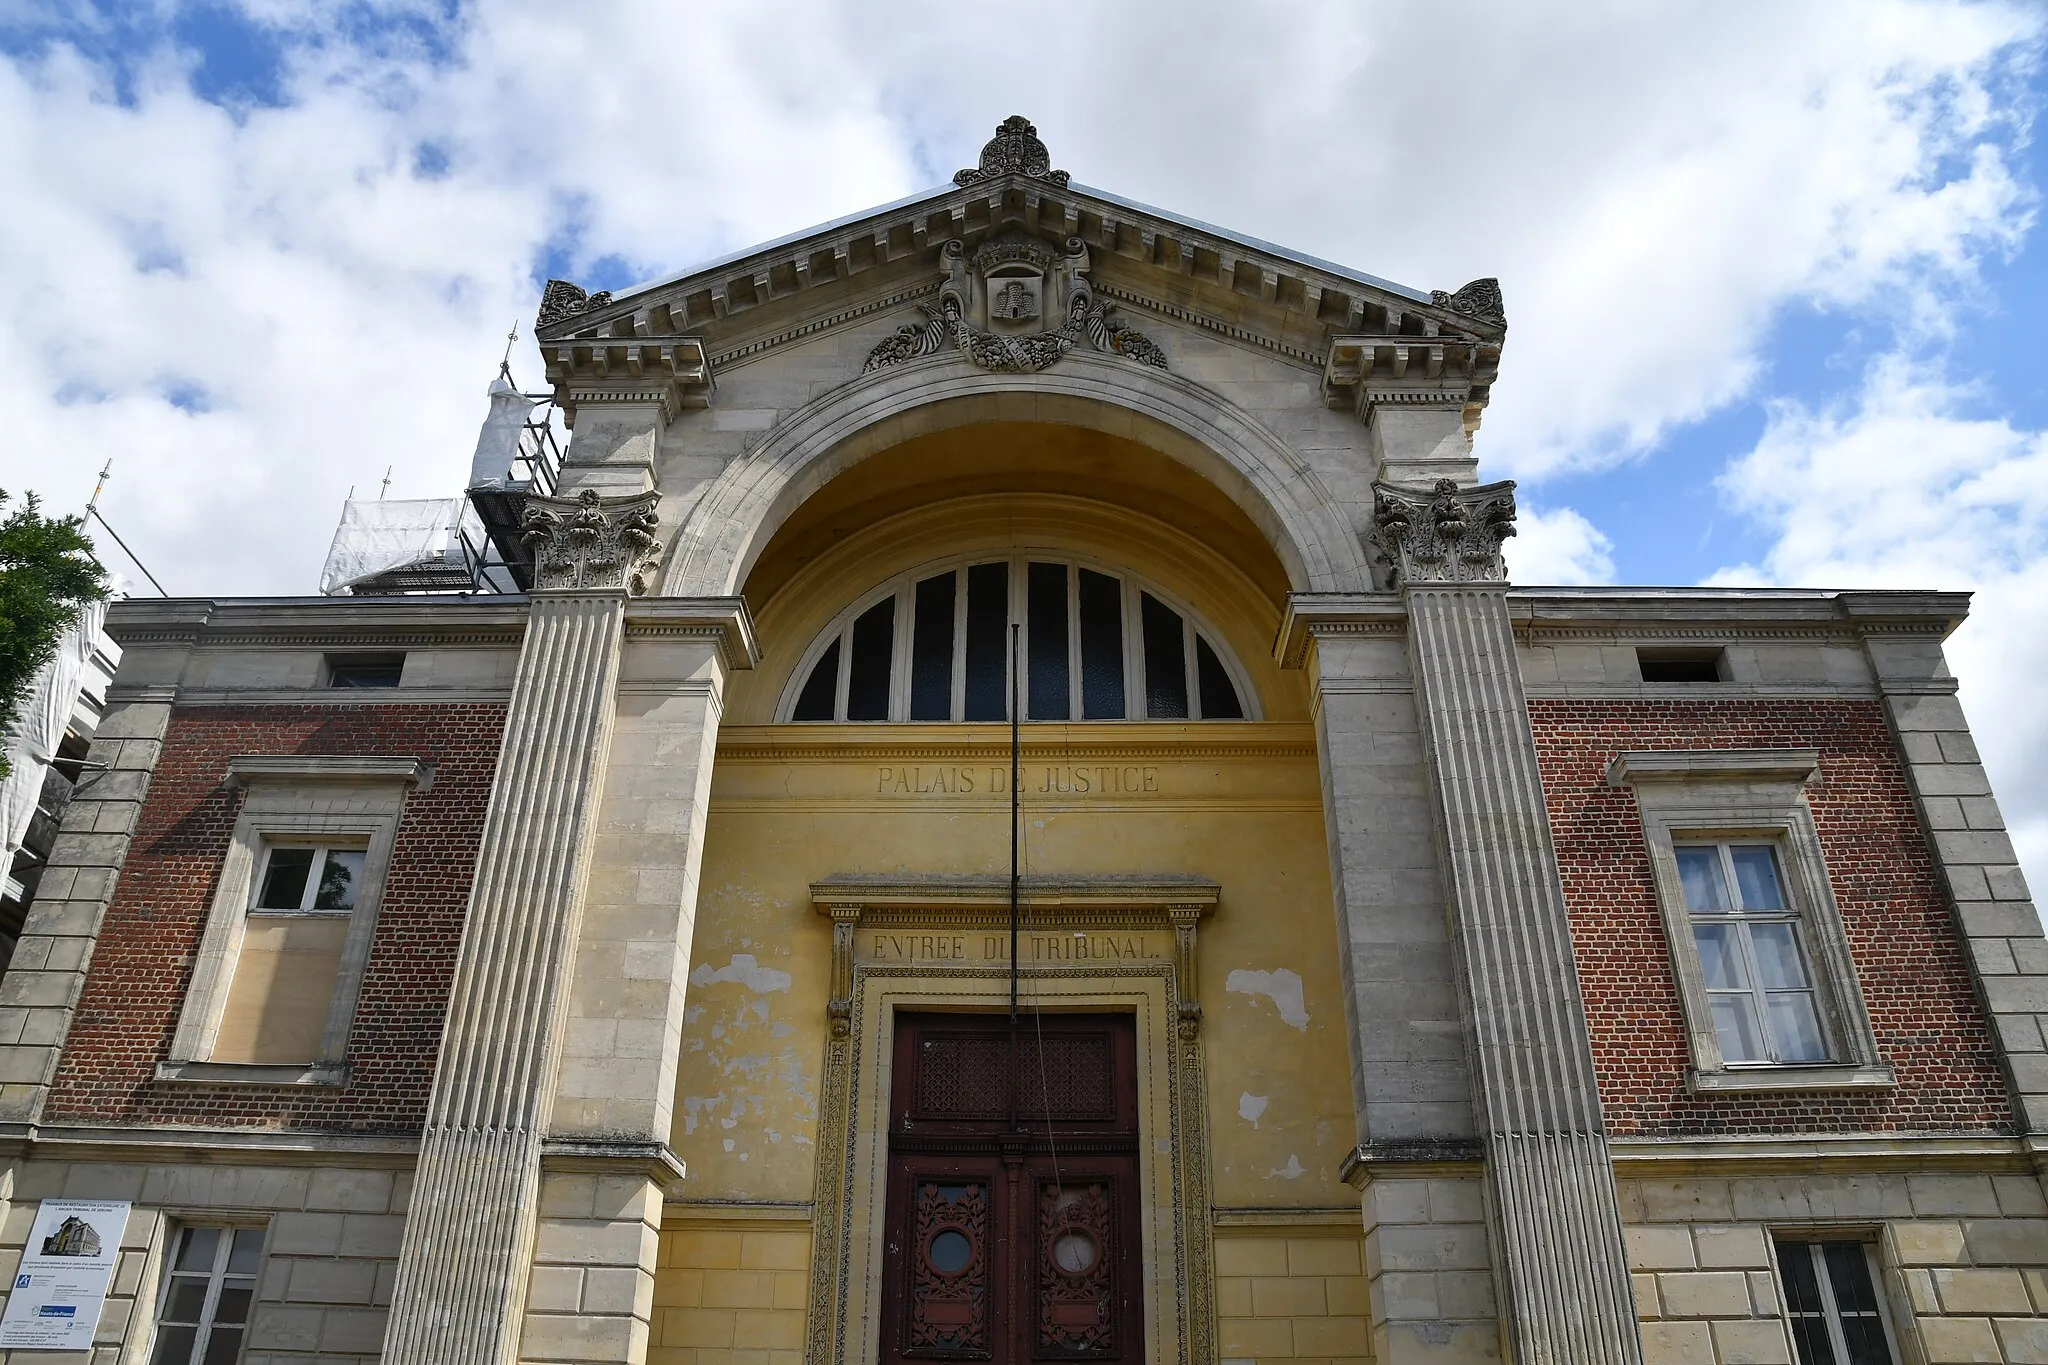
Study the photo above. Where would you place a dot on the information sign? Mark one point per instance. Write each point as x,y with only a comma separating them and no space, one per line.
65,1269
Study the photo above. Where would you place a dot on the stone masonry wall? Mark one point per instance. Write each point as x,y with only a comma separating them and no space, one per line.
1901,933
147,945
1963,1260
330,1250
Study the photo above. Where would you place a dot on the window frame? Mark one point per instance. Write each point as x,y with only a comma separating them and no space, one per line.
903,588
168,1275
292,801
1753,796
1882,1284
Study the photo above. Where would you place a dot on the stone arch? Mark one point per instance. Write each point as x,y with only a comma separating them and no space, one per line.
1276,488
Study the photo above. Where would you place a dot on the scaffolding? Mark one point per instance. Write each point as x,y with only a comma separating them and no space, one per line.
469,544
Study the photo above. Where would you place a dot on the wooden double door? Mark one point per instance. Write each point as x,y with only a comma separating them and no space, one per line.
1012,1216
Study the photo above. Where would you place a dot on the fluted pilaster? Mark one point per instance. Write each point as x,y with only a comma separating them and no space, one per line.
1557,1227
469,1236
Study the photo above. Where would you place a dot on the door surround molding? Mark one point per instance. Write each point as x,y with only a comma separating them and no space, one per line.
1156,987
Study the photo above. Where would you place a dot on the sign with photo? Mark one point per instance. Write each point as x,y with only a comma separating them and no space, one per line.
65,1270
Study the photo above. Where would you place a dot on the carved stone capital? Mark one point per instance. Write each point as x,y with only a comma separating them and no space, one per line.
589,542
1446,534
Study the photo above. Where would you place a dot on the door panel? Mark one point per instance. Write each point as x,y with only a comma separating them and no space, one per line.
1013,1199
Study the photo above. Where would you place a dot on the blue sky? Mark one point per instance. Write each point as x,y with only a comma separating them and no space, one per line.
1775,275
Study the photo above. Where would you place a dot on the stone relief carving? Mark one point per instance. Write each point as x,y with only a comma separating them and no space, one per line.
1005,285
1480,299
1446,534
589,541
1014,150
562,299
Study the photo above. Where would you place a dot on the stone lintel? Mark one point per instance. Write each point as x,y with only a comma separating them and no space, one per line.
246,768
1709,765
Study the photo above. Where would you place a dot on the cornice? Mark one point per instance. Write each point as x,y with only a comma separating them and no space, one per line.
319,622
1310,359
723,619
211,1146
1310,614
1829,1153
740,354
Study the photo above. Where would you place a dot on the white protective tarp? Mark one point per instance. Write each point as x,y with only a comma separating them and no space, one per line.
497,445
39,725
377,536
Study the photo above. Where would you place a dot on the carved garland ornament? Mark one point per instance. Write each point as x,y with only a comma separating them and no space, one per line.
945,324
1445,535
590,542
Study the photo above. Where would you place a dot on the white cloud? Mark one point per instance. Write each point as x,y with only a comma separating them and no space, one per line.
1558,549
1908,485
1652,185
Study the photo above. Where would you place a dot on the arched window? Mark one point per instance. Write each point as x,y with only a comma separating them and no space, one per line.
934,645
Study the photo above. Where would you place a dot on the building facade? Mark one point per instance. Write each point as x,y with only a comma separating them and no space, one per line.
1348,954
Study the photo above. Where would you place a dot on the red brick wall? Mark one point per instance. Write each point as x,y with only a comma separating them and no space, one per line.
1925,1015
151,934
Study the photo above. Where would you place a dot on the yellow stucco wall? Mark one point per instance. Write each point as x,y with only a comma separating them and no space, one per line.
1236,803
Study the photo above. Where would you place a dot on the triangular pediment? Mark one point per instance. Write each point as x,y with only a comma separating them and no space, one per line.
892,258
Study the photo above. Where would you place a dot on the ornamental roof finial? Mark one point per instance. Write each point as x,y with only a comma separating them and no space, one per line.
1014,150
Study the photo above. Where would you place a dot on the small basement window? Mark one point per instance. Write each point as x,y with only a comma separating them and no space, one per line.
364,670
1686,665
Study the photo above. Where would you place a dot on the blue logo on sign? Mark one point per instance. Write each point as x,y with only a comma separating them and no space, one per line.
21,1282
57,1310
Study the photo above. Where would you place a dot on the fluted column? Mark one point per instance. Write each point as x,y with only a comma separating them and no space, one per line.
463,1268
1557,1228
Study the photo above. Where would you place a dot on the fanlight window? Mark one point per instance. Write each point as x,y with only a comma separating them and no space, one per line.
1095,645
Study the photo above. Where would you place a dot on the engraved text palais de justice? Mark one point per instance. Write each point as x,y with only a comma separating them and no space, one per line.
1101,779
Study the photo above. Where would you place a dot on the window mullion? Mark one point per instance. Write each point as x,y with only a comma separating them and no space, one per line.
840,684
1074,711
1756,988
216,1276
958,709
1134,654
899,652
1831,1311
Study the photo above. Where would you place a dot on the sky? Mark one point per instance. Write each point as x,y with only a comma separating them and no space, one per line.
1774,272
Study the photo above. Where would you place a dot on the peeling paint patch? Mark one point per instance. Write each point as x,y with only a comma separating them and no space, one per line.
1280,986
1293,1170
744,970
1250,1106
729,1144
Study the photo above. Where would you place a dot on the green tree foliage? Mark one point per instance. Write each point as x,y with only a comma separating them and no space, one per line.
47,573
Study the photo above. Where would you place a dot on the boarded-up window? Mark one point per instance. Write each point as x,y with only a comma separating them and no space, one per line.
281,996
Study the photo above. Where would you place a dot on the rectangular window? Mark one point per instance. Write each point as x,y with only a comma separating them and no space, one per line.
1166,665
1680,665
1766,980
281,963
1831,1300
988,643
364,670
208,1289
931,650
1758,987
282,992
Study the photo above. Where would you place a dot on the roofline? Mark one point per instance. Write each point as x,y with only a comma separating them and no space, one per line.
940,191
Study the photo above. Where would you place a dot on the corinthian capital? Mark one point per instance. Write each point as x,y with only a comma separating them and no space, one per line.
1445,534
590,541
